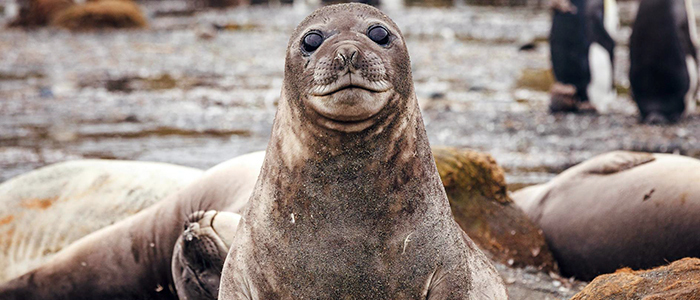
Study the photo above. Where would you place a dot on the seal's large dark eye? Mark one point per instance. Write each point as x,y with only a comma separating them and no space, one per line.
379,35
312,41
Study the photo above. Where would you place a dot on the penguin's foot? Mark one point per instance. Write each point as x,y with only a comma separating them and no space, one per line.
657,118
586,107
562,104
564,99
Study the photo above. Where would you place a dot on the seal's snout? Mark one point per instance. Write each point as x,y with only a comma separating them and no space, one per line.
349,66
198,256
346,57
191,232
202,230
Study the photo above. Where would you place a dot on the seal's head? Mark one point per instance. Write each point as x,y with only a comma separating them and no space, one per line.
200,252
341,69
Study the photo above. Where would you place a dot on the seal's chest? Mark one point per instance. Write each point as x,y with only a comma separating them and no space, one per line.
352,262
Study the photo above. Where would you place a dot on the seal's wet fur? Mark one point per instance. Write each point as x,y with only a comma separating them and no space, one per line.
352,215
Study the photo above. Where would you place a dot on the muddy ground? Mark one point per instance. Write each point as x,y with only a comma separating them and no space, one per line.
196,89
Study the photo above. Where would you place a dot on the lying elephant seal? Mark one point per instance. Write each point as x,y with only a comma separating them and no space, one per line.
133,259
37,208
349,203
619,209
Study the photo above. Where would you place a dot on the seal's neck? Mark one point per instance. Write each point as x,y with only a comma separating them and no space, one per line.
385,173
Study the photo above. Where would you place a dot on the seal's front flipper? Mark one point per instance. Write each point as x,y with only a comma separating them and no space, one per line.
199,254
615,162
482,281
529,197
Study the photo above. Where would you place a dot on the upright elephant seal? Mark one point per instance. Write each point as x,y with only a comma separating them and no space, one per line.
349,203
620,209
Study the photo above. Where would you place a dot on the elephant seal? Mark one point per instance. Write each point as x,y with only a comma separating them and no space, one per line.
37,208
619,209
349,203
582,53
663,60
133,258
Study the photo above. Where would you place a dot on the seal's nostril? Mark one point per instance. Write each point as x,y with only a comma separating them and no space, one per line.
347,55
340,57
353,57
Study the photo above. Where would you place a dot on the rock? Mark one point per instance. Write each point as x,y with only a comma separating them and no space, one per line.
226,3
476,188
679,280
40,12
51,207
101,14
205,32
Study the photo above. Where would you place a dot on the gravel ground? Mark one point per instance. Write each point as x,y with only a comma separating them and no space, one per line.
187,93
198,89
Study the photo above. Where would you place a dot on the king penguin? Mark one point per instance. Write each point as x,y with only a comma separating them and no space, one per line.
582,51
663,60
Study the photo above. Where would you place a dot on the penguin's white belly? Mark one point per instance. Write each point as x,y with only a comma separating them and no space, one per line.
690,103
600,89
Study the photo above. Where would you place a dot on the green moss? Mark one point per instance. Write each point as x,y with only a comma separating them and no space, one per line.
622,90
476,189
164,82
476,174
536,79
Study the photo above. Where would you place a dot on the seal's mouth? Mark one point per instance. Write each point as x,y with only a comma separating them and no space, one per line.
349,109
351,81
348,125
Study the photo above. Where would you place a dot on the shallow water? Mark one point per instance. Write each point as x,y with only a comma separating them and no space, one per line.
187,93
